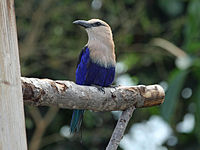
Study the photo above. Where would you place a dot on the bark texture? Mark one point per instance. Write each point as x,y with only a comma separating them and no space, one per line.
120,128
67,94
12,124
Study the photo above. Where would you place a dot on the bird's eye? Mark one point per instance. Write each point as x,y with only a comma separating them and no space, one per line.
98,23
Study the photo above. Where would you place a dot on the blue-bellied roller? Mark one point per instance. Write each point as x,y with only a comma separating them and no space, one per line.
96,64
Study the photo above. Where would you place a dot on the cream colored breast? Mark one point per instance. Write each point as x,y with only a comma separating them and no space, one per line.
102,56
102,52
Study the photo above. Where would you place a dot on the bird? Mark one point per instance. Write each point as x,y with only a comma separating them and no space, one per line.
96,63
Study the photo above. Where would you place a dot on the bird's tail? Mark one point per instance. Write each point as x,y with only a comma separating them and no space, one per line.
77,118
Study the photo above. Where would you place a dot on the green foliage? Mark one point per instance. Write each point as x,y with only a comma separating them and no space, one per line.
192,37
172,95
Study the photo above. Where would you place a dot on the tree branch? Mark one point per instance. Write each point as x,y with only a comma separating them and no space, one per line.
67,94
120,128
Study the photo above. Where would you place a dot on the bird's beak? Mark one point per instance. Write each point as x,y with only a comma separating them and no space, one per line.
82,23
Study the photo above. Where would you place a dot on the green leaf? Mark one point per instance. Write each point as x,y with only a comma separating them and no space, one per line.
173,93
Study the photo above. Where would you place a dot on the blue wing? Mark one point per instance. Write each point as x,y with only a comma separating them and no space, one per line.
88,73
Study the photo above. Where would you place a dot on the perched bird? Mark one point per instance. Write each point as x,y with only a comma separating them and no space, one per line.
96,64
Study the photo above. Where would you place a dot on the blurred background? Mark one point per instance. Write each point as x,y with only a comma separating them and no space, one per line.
157,42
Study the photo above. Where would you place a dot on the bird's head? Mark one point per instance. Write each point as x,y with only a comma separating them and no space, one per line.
95,27
100,39
97,30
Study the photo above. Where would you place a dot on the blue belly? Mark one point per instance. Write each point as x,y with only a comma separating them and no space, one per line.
88,72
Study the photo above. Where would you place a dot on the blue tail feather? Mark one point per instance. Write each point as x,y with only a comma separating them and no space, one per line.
76,121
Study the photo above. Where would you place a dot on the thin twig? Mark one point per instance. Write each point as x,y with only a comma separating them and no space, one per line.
119,129
50,139
41,126
35,114
170,47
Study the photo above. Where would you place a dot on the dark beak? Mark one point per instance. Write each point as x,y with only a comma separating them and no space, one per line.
82,23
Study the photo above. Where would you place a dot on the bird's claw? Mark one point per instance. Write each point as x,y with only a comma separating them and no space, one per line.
114,86
100,88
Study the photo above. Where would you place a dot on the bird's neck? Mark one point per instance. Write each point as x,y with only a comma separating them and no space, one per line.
102,51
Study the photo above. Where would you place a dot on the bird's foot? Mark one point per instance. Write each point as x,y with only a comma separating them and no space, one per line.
100,88
113,86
